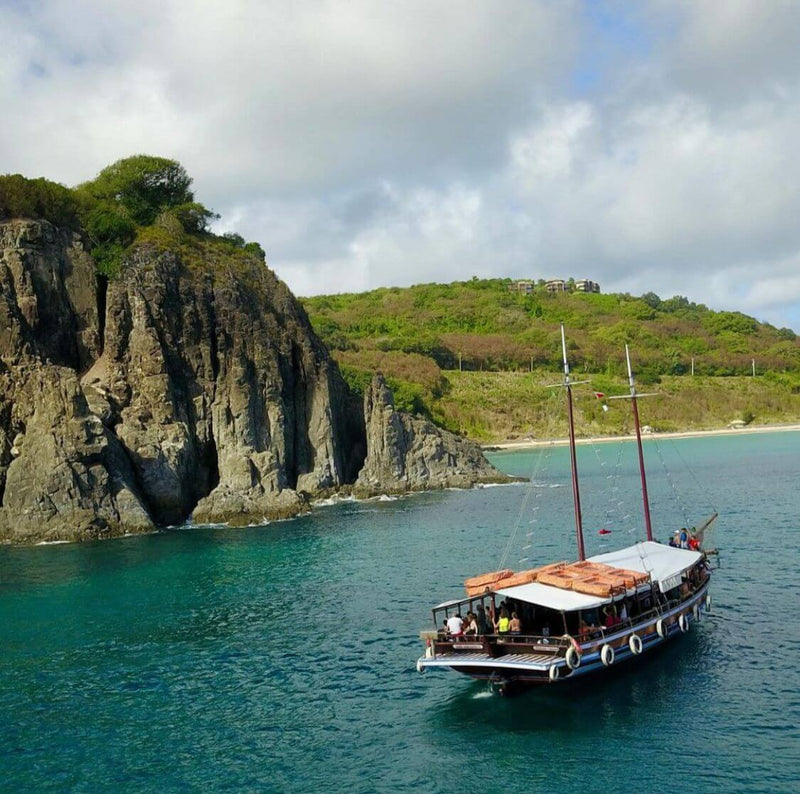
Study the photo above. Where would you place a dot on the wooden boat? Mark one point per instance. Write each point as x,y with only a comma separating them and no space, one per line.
578,619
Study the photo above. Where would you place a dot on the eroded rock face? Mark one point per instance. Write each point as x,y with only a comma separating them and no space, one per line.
178,389
195,389
406,453
48,295
63,475
222,394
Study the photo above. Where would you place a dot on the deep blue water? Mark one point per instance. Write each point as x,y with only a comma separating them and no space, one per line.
281,658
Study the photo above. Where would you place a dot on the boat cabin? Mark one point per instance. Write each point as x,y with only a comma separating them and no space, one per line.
584,601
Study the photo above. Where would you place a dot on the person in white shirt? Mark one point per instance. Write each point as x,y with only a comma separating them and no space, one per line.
455,625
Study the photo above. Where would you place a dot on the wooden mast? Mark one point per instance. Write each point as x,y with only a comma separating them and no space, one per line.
576,496
645,500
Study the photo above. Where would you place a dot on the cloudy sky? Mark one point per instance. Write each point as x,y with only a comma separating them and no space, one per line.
651,146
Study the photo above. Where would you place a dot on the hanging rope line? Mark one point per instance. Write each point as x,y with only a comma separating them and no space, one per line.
613,500
540,460
678,500
695,479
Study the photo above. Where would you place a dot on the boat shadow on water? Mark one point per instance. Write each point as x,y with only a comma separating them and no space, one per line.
663,679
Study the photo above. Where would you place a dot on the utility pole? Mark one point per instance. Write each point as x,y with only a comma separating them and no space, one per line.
692,366
754,368
459,362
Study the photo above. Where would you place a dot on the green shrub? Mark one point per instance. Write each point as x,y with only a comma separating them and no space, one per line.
194,217
37,199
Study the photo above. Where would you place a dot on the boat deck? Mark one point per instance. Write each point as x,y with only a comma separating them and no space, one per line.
518,661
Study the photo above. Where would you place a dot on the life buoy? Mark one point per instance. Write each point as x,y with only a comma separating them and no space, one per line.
635,644
607,655
697,613
683,623
661,628
555,672
708,602
573,658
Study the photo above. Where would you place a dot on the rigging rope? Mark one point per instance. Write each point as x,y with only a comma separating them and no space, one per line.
614,489
695,479
540,459
678,500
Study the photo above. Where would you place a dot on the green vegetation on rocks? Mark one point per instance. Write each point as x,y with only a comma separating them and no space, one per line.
37,198
139,199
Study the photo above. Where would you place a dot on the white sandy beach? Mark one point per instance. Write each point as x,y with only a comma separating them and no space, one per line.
532,442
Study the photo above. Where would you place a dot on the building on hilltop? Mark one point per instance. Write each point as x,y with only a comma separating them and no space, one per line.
586,285
527,286
523,285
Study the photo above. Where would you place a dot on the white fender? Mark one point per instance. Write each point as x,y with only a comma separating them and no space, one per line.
607,655
661,628
573,658
683,622
635,644
555,672
697,612
708,602
429,652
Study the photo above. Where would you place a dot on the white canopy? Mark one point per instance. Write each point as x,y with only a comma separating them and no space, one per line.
664,563
544,595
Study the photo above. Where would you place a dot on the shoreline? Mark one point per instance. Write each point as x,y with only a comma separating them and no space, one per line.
530,443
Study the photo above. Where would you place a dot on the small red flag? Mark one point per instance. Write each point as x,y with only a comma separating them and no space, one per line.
599,395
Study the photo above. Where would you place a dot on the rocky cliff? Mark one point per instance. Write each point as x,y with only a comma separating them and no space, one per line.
408,453
191,384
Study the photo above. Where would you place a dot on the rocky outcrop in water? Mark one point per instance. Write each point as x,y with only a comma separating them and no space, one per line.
408,453
191,384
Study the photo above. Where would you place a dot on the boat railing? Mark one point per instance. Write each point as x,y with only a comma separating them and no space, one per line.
529,639
628,624
541,642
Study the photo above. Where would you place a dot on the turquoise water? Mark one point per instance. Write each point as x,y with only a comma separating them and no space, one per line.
281,658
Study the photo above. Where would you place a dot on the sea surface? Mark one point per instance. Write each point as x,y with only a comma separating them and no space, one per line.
282,657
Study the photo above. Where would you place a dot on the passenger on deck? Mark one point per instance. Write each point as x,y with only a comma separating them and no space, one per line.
514,625
482,621
586,628
673,541
501,627
471,627
610,618
455,625
683,538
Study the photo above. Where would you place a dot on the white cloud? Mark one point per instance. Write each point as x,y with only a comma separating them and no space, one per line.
650,147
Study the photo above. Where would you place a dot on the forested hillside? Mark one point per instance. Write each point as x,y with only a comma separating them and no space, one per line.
469,353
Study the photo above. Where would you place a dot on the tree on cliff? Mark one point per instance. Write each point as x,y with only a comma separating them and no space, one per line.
134,192
143,185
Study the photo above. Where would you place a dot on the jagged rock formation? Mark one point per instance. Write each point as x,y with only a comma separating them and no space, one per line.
176,389
406,453
188,385
63,475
